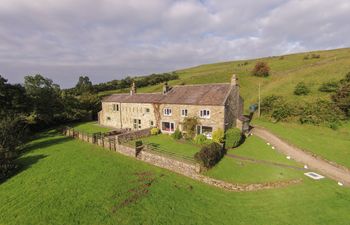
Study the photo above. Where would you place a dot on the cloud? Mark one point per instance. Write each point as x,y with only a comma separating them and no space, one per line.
109,39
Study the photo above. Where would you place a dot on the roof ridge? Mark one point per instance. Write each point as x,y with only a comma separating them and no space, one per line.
187,85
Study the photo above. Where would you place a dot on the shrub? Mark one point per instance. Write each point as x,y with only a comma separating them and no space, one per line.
320,112
210,155
218,136
189,127
155,131
261,69
301,89
342,98
233,137
315,56
200,139
268,103
138,143
306,57
282,111
177,134
330,86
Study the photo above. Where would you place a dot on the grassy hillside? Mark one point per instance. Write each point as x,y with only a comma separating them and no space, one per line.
286,71
66,181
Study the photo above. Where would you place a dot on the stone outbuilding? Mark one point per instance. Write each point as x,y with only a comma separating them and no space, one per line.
216,106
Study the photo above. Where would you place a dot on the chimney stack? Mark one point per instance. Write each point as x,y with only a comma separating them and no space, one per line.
133,88
166,88
234,80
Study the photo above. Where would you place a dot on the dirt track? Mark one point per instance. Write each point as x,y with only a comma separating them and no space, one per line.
323,167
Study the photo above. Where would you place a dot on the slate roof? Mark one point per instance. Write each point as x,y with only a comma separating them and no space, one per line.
205,94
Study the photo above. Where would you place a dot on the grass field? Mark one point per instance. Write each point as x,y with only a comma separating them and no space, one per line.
236,170
90,127
325,142
285,74
65,181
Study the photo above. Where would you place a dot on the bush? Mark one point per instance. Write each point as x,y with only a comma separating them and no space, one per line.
177,135
210,155
155,131
282,111
233,137
276,107
342,98
138,143
330,86
189,127
268,103
320,112
200,139
315,56
261,69
301,89
218,136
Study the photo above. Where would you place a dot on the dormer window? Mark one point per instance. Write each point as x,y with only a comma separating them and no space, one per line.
204,113
167,112
184,112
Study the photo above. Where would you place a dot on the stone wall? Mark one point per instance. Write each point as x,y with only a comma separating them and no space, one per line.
187,169
191,170
132,135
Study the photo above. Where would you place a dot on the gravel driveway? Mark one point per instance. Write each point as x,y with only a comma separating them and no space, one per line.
334,172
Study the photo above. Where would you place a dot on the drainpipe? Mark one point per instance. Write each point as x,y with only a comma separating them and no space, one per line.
120,114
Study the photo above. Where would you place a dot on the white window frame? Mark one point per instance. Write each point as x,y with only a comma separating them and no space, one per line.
167,112
184,114
199,130
168,131
207,112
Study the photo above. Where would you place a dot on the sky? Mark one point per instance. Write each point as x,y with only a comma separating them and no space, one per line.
110,39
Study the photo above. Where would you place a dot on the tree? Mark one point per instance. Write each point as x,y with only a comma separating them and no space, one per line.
12,135
261,69
301,89
84,85
13,99
44,97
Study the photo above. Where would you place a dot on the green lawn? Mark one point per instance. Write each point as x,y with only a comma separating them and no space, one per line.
167,143
90,127
236,170
66,181
325,142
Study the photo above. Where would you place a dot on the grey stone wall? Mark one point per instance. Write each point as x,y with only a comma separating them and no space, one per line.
187,169
184,168
132,135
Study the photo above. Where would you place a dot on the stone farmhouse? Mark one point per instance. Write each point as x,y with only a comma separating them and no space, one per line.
217,106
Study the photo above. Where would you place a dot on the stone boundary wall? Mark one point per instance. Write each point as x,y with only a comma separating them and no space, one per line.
186,169
132,135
